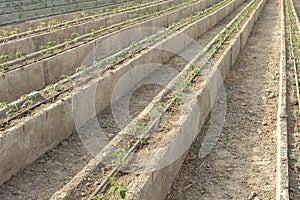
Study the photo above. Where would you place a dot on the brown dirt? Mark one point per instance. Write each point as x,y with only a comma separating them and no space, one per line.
143,95
50,173
242,165
108,30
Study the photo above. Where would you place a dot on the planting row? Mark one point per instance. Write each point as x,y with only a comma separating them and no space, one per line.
67,35
83,74
18,14
20,31
146,134
51,123
80,15
58,62
293,32
23,5
76,152
293,65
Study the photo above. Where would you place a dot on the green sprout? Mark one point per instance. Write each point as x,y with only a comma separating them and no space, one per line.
19,54
119,154
6,58
75,35
3,105
116,188
80,69
64,76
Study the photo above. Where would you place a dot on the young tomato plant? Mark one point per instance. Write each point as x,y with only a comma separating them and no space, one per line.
141,125
115,189
19,54
5,58
119,154
80,69
3,105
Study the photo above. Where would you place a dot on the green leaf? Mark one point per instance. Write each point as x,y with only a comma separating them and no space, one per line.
192,67
100,196
297,113
116,191
123,194
112,180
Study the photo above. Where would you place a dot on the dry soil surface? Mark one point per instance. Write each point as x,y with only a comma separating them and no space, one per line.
242,165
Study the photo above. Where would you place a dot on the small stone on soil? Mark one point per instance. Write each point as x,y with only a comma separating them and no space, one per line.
264,123
271,96
64,143
251,196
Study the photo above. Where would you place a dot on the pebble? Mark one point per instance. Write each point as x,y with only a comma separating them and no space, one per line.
271,96
264,123
244,104
88,185
259,132
251,196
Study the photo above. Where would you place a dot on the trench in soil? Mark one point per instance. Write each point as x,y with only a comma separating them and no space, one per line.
242,163
59,165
